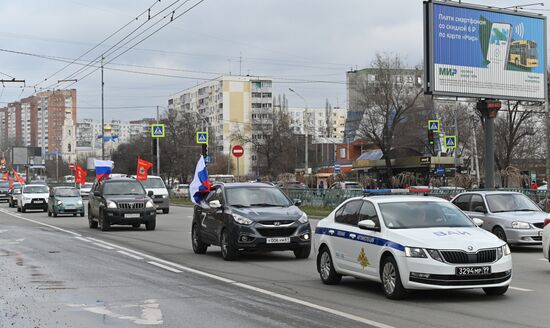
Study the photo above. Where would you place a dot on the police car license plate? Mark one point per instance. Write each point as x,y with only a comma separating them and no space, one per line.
131,215
278,240
473,271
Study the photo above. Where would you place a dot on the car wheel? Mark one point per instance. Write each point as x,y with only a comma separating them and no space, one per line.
81,214
18,209
150,225
229,252
499,232
391,280
45,209
165,210
302,252
326,269
23,210
495,291
135,225
198,246
104,223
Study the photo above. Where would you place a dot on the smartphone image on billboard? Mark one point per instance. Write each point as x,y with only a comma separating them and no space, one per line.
499,43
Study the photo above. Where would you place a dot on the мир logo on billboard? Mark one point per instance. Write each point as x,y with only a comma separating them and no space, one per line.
447,71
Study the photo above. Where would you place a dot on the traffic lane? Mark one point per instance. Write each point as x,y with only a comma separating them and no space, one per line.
61,279
282,273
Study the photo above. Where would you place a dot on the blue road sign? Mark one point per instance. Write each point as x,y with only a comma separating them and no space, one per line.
157,130
440,171
202,138
450,142
433,125
337,168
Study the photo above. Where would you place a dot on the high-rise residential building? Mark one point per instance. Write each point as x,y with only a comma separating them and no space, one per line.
14,123
230,106
320,122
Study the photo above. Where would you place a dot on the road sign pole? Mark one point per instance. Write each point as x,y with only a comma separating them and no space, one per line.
238,171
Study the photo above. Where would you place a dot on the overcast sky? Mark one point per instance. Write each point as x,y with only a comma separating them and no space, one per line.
307,45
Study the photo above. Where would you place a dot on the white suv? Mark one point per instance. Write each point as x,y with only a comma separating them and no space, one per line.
33,196
410,242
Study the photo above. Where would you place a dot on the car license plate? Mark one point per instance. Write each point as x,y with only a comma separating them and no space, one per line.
473,271
131,215
278,240
37,201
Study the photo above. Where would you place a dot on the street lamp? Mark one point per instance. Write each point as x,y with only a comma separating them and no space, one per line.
306,126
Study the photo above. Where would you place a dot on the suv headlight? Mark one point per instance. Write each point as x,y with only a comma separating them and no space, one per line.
79,202
111,204
149,204
520,225
303,218
241,219
164,196
415,252
434,254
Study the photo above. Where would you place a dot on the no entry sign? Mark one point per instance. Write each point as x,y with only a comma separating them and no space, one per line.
237,151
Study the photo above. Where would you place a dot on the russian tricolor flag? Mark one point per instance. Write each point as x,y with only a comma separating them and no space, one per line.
200,186
102,169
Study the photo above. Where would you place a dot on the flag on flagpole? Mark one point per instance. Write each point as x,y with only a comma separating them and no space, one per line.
5,176
143,167
102,169
18,177
200,186
80,175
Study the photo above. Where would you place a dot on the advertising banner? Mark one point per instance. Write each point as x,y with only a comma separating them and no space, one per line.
486,53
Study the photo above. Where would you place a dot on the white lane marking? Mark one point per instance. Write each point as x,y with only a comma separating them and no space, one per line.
83,239
104,246
521,289
130,255
165,267
229,281
150,311
40,223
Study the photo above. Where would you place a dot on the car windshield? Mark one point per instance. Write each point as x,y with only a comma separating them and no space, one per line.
17,191
87,185
411,215
510,203
123,188
36,190
256,197
153,183
67,192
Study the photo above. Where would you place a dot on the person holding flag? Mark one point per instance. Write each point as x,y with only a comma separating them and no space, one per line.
143,167
200,186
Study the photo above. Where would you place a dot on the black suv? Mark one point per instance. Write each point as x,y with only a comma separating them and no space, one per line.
250,217
120,201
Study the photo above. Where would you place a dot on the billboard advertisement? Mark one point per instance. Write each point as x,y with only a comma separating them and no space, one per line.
472,51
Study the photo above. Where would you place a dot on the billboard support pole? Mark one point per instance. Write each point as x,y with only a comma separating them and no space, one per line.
489,109
547,140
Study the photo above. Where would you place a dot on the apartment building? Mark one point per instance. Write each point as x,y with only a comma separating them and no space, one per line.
230,106
320,122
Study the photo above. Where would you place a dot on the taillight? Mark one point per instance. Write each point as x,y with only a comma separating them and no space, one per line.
546,221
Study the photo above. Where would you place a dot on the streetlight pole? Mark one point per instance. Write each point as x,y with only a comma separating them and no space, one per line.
158,145
102,114
306,126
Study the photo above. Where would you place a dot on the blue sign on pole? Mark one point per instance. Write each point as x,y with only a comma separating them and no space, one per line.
440,171
208,159
337,168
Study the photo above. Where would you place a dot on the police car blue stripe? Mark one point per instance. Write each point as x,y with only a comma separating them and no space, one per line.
359,237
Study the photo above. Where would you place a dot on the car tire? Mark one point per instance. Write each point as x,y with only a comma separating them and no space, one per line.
198,246
165,210
302,252
499,232
104,223
23,210
45,209
326,269
18,209
229,252
391,280
81,214
495,291
151,225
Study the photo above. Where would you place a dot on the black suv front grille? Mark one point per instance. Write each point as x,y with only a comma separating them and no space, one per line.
136,205
274,222
276,232
461,257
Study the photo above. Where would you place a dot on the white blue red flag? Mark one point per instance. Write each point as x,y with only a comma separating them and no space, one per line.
102,169
200,186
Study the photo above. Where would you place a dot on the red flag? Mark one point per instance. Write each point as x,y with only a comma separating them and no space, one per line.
18,177
5,176
80,175
142,167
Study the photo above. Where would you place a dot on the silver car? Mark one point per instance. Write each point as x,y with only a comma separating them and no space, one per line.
511,216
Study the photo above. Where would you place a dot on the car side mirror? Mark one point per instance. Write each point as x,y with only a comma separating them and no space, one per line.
297,202
478,222
480,209
215,204
368,225
97,193
150,193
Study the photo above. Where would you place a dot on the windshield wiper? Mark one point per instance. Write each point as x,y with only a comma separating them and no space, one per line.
266,205
239,205
525,210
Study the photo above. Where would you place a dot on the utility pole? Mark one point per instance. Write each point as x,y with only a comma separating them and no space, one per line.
158,145
102,114
489,109
306,125
476,160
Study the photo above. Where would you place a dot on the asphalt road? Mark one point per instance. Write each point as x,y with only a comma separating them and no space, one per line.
108,277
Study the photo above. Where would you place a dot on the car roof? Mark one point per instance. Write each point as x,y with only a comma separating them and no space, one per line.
64,187
491,192
118,179
245,185
35,185
400,198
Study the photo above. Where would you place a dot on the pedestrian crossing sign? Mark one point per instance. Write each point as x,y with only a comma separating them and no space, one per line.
202,138
433,125
451,142
157,130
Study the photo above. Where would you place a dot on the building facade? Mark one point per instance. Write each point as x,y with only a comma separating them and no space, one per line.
320,122
230,106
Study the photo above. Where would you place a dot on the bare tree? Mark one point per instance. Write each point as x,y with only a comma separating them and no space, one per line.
386,99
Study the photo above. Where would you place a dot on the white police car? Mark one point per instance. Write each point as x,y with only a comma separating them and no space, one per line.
410,242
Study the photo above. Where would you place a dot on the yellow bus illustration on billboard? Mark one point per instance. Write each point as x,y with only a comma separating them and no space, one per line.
524,53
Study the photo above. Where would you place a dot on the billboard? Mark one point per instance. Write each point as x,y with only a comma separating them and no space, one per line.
472,51
19,156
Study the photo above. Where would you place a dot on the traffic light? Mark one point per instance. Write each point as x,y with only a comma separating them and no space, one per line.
431,140
204,150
